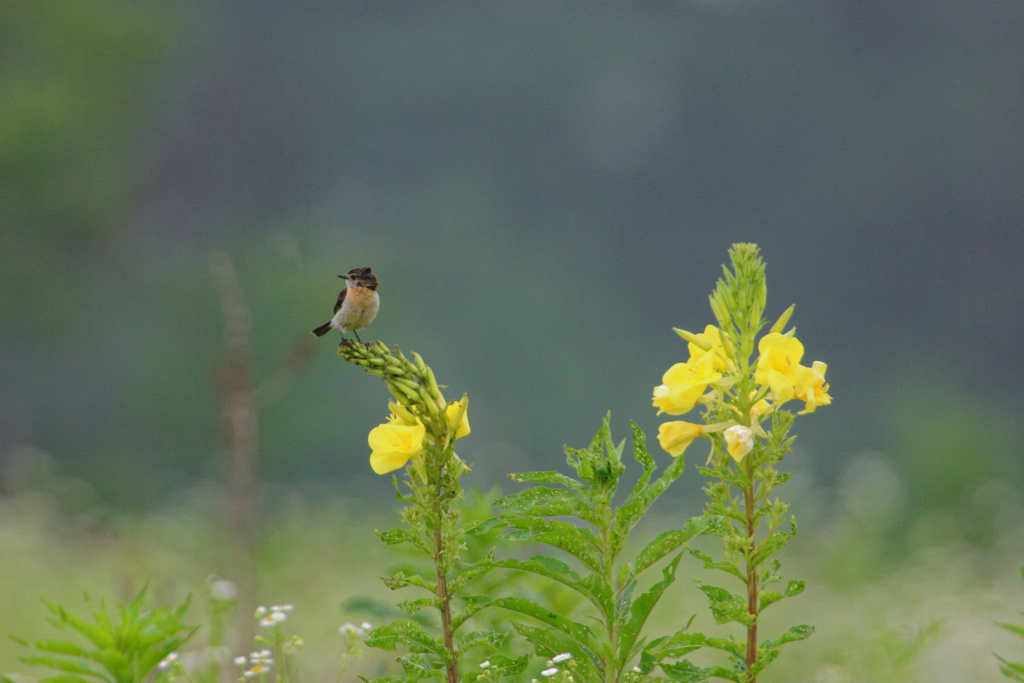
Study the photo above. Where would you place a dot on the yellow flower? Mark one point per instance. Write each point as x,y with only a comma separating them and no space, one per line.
393,445
759,408
717,353
684,383
817,393
450,412
739,441
779,366
674,437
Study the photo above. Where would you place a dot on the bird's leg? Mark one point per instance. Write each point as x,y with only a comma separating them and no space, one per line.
357,336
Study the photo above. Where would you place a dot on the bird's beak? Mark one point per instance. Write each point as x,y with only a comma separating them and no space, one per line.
343,277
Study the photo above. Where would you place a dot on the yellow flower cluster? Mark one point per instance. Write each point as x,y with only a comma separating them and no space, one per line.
401,439
778,372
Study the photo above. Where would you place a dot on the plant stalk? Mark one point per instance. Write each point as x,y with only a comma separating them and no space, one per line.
748,494
451,665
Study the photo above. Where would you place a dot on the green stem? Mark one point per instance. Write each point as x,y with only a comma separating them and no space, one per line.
752,606
442,577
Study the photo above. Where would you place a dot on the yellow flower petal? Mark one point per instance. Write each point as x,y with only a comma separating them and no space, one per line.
674,437
779,367
739,441
450,413
393,444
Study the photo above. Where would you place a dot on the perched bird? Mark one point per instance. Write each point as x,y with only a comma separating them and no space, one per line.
357,304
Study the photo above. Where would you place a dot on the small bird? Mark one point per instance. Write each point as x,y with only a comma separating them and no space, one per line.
357,304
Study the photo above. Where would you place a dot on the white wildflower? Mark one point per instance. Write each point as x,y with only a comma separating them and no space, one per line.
222,589
565,656
167,661
240,661
485,664
273,619
549,672
282,608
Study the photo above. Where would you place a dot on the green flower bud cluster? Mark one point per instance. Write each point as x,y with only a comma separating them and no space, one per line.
411,381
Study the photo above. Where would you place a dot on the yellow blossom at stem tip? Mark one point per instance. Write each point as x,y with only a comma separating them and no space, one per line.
393,445
674,437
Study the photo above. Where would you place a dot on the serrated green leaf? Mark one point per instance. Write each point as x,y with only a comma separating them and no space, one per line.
473,605
493,639
399,536
411,607
725,566
465,577
543,478
400,580
418,667
580,543
543,501
685,672
408,633
580,633
667,542
641,455
641,609
636,505
802,632
548,642
726,606
593,588
775,541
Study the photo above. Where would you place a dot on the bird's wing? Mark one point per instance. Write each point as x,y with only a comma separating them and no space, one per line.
341,300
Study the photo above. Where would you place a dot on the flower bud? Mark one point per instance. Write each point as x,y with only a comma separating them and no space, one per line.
739,441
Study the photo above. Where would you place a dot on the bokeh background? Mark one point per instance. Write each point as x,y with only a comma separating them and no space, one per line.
545,189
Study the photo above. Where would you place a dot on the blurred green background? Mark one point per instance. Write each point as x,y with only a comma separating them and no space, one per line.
544,189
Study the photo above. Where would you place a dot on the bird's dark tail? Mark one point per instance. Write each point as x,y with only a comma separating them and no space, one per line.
323,329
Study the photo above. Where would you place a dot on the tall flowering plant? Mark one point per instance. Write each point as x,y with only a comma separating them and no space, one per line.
742,396
419,436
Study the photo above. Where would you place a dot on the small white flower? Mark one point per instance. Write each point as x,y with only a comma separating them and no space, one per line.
549,672
366,626
485,664
637,669
167,661
565,656
256,670
240,661
273,619
282,608
261,611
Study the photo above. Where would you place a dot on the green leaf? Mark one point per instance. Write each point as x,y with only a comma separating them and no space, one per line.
594,588
726,606
543,478
500,666
474,604
465,577
636,505
400,580
766,598
580,543
802,632
775,541
60,647
494,639
62,678
542,501
667,542
685,672
548,642
795,588
411,607
70,665
641,455
418,667
399,536
725,566
580,633
641,609
408,633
